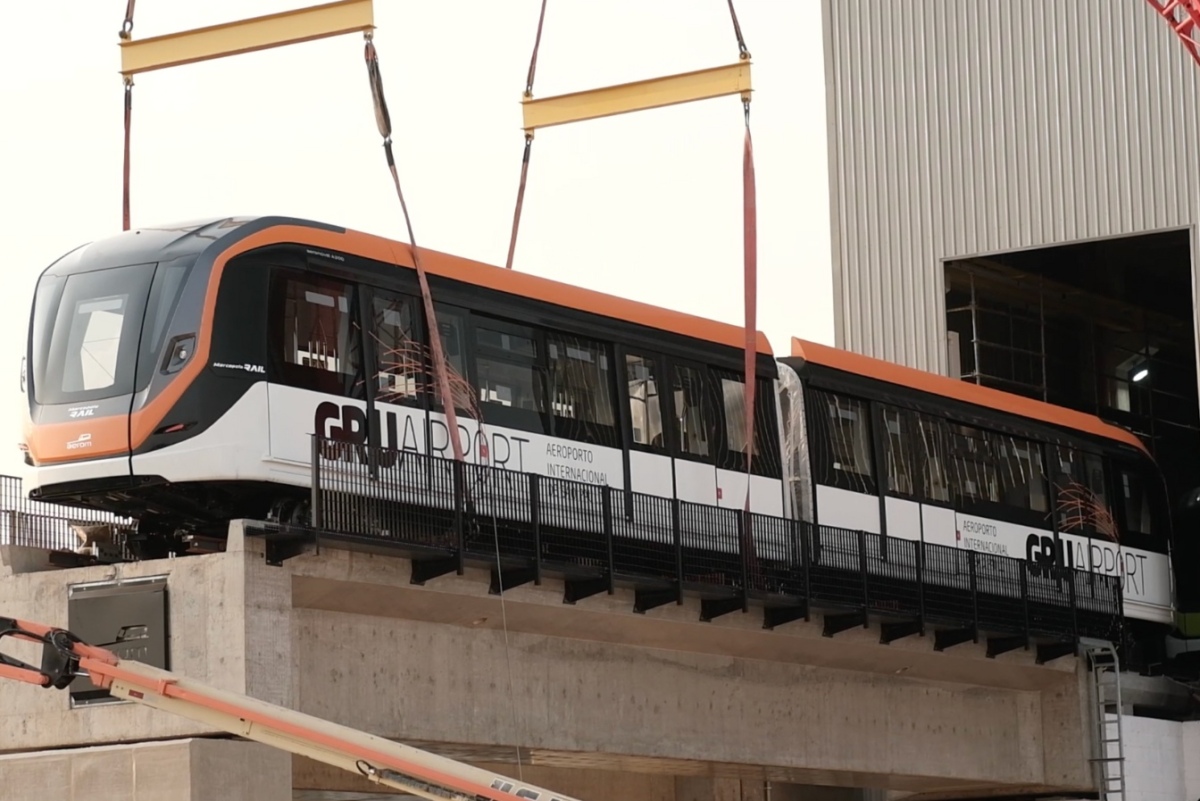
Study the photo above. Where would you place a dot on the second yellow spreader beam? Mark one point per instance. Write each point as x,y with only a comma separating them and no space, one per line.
732,79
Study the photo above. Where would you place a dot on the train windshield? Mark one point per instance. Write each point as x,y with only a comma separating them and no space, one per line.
85,333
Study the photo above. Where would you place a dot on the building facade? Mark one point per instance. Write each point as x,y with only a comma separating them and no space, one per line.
964,129
1015,200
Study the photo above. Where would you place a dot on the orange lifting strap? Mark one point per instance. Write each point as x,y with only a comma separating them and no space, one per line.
700,85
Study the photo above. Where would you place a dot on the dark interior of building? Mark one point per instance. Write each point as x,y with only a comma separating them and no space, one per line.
1104,327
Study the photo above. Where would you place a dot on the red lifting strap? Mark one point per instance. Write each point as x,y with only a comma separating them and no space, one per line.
383,120
750,269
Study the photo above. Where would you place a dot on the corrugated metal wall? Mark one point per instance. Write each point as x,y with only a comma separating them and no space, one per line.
965,127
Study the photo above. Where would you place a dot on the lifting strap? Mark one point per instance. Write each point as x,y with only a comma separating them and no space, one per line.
537,42
126,32
750,265
750,293
384,122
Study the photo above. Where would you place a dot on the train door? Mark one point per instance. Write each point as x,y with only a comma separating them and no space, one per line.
765,482
316,368
397,362
695,433
897,460
650,469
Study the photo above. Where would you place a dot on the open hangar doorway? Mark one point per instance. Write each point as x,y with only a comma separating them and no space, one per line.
1103,326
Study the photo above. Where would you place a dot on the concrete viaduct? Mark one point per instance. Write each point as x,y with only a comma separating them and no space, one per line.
591,699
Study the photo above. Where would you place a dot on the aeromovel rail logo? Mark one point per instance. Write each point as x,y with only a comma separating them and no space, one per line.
82,441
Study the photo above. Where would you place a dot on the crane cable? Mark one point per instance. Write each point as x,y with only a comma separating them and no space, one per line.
126,33
384,121
537,42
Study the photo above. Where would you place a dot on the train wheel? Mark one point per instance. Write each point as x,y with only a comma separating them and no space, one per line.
290,511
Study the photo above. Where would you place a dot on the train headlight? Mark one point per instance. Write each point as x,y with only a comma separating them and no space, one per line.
179,352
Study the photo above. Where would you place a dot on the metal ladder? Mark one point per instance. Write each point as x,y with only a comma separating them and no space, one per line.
1105,688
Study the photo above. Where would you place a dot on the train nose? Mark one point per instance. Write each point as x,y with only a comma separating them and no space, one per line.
97,438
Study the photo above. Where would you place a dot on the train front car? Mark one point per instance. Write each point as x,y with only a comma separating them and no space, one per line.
115,360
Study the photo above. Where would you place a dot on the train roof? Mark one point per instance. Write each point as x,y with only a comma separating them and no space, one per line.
956,389
215,235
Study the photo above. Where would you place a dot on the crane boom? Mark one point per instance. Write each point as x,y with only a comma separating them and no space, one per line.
65,657
1184,18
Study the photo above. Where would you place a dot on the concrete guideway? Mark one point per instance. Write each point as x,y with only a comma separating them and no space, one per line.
344,636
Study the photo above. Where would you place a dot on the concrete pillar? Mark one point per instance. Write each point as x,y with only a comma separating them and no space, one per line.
1191,759
171,770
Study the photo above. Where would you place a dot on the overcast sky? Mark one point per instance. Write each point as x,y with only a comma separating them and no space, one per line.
644,205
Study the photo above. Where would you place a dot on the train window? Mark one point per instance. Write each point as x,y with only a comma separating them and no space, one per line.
692,414
399,370
581,389
1081,501
91,324
1137,513
1020,475
934,446
901,477
733,392
317,333
971,470
850,436
645,408
160,308
511,384
985,469
732,455
841,441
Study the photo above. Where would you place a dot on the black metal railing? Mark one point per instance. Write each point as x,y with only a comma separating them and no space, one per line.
445,514
38,524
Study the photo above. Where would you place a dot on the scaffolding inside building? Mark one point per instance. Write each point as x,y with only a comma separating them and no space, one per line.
1021,332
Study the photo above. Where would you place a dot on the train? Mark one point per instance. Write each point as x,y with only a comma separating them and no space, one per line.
177,375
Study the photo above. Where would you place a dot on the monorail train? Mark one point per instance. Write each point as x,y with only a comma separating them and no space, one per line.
176,375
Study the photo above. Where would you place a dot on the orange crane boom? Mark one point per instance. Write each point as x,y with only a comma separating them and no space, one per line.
65,657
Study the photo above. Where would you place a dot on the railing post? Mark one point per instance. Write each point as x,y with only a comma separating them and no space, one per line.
459,478
1025,594
862,566
974,593
535,515
919,551
317,513
606,505
807,533
1074,606
743,526
677,531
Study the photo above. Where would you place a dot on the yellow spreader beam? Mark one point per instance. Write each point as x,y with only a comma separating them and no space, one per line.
732,79
246,36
